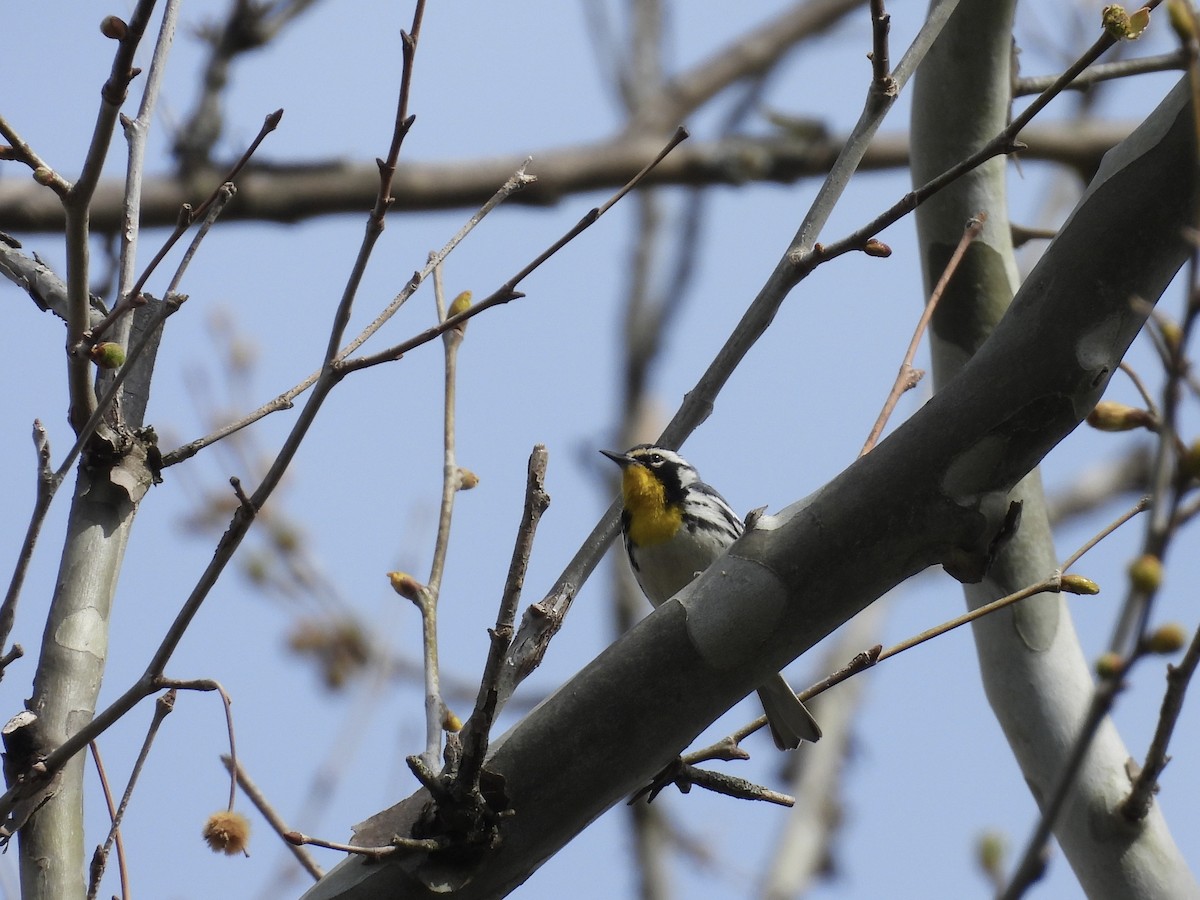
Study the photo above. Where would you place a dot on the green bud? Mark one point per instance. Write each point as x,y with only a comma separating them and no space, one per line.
989,851
1110,665
1166,639
1112,416
1146,573
108,355
406,586
1077,584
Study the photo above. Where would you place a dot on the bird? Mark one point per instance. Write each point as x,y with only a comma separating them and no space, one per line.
675,526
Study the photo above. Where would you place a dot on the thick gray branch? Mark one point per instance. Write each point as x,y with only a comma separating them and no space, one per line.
933,492
292,193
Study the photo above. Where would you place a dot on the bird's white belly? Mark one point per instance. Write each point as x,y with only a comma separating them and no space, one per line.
665,569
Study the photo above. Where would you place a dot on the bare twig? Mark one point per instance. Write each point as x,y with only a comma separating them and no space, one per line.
101,854
268,812
395,848
249,27
515,182
46,485
881,65
1136,509
1137,805
869,658
1032,862
1138,383
684,776
908,377
76,208
435,708
220,194
476,733
508,292
1121,68
1003,143
170,305
137,131
243,518
205,685
163,708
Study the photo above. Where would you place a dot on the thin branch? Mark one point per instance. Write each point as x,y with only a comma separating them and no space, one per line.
1137,805
908,377
205,685
869,658
1147,397
1032,862
101,856
170,305
383,199
163,708
46,486
398,845
1141,506
685,776
187,215
507,292
1123,68
137,133
76,208
268,812
49,483
427,602
250,26
243,518
881,65
747,56
476,733
1003,143
515,182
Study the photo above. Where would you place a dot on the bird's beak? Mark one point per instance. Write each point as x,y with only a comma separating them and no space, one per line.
619,458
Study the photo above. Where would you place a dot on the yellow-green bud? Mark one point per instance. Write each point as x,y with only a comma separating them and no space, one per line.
1110,665
1112,416
1189,464
1124,26
405,585
108,355
43,175
1166,639
461,304
1077,584
1115,20
1146,573
467,479
990,850
451,722
1171,332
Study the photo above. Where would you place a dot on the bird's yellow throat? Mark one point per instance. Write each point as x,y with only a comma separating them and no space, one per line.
651,519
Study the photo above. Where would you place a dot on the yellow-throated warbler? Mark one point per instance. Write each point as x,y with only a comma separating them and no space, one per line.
675,526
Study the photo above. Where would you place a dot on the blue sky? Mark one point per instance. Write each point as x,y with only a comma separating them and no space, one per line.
929,769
